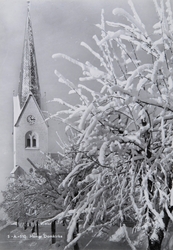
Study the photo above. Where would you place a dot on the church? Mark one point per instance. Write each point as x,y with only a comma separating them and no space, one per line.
30,128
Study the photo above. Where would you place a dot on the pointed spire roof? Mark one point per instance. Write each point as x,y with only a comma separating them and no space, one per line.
29,81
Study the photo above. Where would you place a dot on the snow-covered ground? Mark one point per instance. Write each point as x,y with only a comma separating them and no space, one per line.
13,238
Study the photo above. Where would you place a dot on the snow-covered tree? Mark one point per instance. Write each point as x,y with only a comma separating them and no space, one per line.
13,203
122,132
35,195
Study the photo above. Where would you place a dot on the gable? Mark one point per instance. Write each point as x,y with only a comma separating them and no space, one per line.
31,108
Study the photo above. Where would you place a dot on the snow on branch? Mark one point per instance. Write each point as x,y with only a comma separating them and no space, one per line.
85,115
120,155
136,73
60,101
119,11
111,35
60,55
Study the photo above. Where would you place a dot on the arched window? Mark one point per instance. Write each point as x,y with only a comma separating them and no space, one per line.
28,139
31,140
34,141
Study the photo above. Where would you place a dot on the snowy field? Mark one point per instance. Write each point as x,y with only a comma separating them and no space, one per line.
12,238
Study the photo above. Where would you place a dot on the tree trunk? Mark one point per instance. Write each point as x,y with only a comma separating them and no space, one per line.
156,244
76,245
53,231
37,228
25,225
33,227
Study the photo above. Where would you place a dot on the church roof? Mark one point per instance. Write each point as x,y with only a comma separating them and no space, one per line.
29,80
17,109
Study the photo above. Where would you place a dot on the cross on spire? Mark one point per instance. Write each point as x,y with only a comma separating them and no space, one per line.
28,3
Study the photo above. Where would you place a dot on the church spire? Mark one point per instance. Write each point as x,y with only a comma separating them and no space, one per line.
29,81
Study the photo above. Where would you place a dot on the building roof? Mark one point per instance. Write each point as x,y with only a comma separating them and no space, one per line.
17,171
17,109
29,80
56,157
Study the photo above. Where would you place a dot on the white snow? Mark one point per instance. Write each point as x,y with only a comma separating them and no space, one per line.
103,148
85,115
119,11
118,236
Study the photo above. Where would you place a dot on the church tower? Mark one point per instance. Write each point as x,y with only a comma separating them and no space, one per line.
30,128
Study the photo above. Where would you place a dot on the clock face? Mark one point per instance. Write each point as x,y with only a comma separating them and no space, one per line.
31,119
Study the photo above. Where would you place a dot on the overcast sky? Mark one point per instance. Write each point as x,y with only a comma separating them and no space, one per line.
58,26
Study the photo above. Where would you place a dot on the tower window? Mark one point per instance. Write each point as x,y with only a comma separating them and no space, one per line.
28,143
31,140
34,141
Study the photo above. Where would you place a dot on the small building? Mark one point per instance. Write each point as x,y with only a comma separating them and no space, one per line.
16,172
